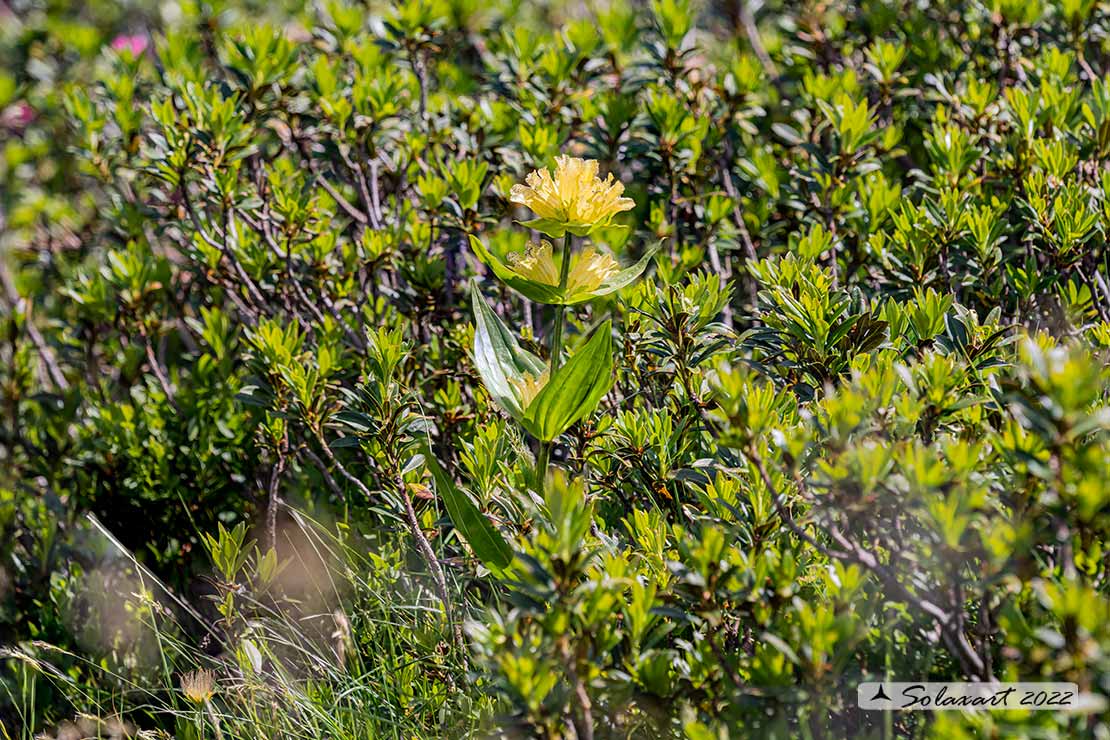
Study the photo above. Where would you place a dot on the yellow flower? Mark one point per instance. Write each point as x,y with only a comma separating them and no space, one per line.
529,386
198,686
574,197
589,268
537,263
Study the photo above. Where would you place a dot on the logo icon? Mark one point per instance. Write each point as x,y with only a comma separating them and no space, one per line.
880,695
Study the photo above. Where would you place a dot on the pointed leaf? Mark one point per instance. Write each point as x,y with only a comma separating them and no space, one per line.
499,358
554,229
487,543
558,229
575,389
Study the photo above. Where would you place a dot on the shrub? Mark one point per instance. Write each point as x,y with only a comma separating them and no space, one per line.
310,433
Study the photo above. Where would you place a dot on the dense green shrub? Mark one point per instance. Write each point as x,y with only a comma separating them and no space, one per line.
826,399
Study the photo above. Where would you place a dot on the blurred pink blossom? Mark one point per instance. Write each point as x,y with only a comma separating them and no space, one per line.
136,43
17,115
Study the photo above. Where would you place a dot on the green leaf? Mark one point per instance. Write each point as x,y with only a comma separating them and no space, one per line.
554,229
487,543
499,358
575,390
359,422
558,229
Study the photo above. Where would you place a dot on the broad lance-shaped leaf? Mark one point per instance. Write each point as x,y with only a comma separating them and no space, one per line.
483,538
550,294
499,358
575,389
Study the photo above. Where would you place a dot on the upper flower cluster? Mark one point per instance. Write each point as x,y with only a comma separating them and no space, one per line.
573,199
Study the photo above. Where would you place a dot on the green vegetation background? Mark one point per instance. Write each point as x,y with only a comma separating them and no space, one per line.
858,429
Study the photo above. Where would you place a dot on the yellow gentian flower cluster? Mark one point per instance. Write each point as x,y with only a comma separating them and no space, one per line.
574,198
589,268
528,386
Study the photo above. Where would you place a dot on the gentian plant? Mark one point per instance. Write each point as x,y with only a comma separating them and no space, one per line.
547,397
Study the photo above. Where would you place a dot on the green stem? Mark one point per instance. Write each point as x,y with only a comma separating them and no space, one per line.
555,352
541,465
556,347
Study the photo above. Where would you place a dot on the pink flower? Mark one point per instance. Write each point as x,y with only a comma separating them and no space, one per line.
135,44
17,116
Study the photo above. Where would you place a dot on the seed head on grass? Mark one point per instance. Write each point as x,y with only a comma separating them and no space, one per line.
198,686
